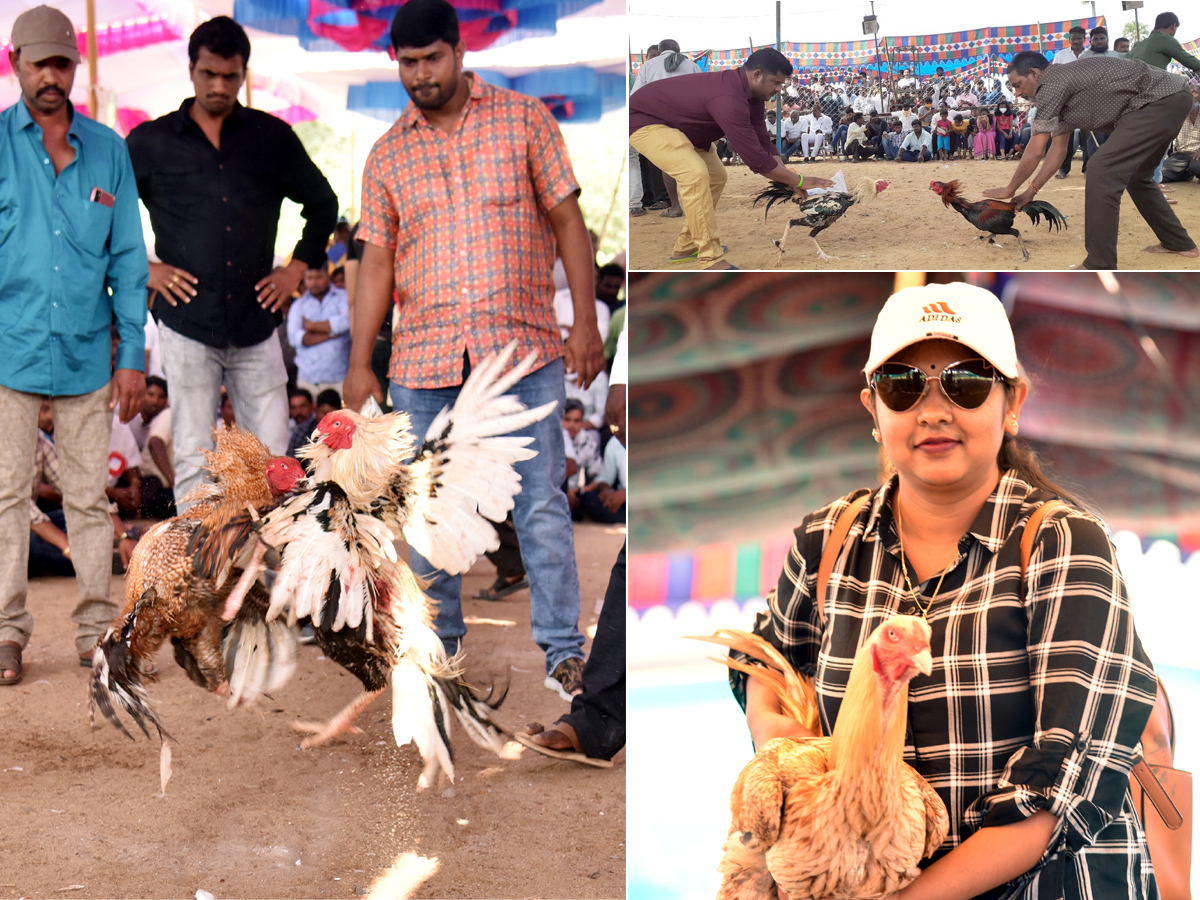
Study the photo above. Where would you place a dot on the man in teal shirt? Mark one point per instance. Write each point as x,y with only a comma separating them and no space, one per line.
72,263
1160,47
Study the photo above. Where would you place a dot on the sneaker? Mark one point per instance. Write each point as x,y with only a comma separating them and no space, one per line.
567,678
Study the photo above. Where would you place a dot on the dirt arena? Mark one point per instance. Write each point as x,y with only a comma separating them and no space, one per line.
907,227
248,814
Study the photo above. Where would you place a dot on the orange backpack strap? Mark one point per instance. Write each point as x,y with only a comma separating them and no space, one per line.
833,547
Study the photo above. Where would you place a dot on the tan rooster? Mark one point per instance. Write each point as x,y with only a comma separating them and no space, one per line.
835,817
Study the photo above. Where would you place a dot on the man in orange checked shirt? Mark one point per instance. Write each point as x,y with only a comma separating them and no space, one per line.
465,201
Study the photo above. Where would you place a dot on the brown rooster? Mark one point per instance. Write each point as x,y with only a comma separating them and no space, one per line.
842,816
997,216
178,579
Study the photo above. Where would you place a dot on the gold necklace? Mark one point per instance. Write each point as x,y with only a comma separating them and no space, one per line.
904,565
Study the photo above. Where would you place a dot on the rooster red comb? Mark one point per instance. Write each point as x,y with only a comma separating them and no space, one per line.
337,430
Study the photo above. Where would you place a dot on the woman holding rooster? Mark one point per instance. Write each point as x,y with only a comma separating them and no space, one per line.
1040,688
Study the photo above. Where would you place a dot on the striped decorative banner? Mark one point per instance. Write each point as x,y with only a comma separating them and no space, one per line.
707,574
1045,37
116,37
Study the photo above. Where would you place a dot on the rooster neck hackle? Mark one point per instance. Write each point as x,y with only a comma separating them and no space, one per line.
869,732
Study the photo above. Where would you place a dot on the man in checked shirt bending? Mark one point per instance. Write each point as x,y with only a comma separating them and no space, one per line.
464,202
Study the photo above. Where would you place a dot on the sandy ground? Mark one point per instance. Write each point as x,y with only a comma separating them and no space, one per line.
907,227
248,814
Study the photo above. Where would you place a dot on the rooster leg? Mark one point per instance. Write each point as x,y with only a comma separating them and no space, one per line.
1024,252
343,722
995,243
783,240
821,253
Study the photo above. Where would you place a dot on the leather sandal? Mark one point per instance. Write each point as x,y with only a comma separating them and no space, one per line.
10,661
559,736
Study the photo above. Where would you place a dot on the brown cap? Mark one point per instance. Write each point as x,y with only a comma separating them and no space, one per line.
43,32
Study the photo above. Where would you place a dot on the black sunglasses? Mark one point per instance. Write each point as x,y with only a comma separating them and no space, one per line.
966,384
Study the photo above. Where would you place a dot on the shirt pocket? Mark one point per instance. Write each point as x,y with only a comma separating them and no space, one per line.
89,224
181,185
504,179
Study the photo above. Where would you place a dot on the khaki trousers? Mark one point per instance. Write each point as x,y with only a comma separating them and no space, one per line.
700,177
82,433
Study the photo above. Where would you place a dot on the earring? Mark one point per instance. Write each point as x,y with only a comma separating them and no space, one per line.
1015,426
875,434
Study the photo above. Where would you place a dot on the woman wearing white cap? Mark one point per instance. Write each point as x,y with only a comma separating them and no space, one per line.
1040,690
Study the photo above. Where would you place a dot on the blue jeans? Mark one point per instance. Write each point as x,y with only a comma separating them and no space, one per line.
789,149
890,151
912,155
839,138
257,385
541,516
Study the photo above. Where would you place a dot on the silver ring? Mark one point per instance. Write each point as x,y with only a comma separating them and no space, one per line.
272,285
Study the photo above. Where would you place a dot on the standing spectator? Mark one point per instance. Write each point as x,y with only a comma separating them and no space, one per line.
341,239
1158,50
474,276
75,264
942,126
1140,106
668,62
230,168
1160,47
1121,47
1077,36
674,123
318,327
959,129
1098,45
594,730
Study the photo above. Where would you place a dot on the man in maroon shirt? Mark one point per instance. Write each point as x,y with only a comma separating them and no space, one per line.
674,123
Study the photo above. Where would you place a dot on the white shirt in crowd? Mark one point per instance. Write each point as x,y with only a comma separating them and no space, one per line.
812,124
793,130
564,311
1065,55
906,120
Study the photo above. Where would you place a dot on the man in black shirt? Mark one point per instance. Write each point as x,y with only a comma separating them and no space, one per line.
213,175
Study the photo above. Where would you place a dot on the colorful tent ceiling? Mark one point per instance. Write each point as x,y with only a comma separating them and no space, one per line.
948,47
575,94
116,37
364,24
744,399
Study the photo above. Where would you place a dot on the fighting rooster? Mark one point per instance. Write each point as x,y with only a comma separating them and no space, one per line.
332,547
818,212
997,216
178,579
835,817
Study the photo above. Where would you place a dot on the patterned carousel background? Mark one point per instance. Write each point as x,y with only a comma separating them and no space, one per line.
744,410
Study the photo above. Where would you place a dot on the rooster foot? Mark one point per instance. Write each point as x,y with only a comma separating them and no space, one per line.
996,244
322,731
342,723
821,254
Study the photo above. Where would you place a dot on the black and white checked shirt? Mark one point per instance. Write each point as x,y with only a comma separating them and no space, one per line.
1034,703
1093,93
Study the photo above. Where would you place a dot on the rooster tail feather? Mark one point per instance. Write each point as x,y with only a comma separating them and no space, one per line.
115,684
1038,208
419,716
473,713
259,657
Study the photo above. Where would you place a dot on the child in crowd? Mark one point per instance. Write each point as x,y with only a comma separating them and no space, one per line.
985,137
1005,135
958,130
942,126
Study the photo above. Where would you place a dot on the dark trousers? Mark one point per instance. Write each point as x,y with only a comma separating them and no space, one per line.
598,714
507,558
911,155
653,188
593,508
860,151
1127,162
1065,168
44,557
